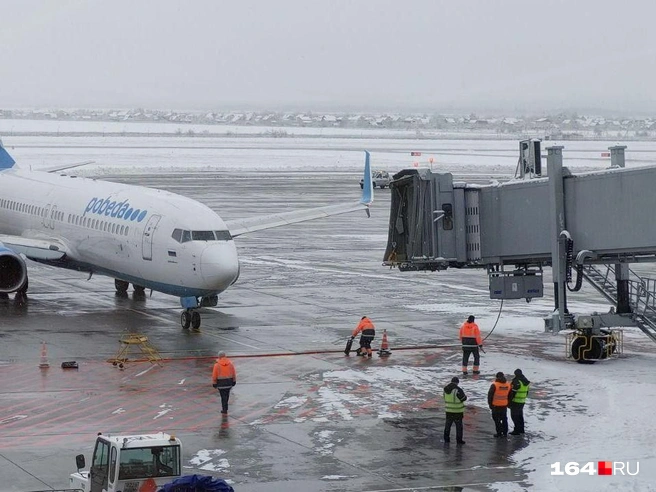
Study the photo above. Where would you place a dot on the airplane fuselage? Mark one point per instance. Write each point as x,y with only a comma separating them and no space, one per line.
152,238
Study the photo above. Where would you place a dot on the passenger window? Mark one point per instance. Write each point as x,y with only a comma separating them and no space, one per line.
177,235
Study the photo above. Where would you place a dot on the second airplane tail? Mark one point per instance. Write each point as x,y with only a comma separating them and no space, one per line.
367,183
6,161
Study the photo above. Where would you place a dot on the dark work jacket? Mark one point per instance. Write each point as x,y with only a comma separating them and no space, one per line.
460,393
514,386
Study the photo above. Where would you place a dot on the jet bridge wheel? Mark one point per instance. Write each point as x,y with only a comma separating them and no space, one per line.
587,350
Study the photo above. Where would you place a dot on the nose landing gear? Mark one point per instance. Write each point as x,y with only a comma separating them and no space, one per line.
190,318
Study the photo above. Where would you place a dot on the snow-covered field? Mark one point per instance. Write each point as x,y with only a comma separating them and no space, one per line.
601,412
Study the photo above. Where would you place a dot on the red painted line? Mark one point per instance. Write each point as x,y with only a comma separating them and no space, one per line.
287,354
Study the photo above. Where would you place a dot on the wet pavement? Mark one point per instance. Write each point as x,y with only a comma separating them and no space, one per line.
303,415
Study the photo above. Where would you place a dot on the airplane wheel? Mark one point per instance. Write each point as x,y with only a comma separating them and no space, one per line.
195,320
185,319
138,289
121,286
23,290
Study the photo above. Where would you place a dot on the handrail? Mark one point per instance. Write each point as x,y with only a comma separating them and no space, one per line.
642,295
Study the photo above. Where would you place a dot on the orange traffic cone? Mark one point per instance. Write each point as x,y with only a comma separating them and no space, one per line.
384,350
44,364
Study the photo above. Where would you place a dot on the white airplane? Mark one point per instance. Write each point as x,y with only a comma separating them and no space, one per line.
150,238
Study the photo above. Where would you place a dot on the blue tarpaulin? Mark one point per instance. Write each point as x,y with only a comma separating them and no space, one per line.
197,483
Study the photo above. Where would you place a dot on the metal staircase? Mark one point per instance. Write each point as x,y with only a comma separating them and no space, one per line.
642,294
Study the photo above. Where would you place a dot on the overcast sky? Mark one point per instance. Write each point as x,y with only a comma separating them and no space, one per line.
321,54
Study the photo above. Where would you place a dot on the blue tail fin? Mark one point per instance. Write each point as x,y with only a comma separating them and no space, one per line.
6,161
367,183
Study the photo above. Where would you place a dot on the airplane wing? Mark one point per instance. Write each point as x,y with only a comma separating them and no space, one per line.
238,227
67,166
35,249
7,162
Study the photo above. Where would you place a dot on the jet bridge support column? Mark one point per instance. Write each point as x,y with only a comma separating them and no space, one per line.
621,269
622,279
617,155
558,249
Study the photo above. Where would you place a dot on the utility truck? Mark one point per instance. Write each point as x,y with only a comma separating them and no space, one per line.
129,463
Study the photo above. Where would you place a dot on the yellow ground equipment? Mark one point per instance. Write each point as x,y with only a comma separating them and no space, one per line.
587,347
130,342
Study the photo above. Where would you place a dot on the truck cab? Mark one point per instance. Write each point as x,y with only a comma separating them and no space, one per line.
126,463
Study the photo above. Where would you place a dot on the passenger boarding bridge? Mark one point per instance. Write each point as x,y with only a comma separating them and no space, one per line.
593,224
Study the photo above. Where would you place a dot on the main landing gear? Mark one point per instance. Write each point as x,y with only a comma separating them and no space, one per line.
21,295
122,289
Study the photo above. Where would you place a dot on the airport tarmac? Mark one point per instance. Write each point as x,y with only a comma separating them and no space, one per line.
303,415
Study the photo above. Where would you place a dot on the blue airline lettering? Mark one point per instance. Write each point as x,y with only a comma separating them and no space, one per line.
114,209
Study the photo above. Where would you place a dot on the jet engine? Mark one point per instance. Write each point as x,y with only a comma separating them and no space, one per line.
13,271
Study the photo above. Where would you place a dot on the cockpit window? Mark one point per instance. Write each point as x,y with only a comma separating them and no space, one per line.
183,236
202,236
223,235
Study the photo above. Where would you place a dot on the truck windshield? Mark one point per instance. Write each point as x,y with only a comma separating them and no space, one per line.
158,461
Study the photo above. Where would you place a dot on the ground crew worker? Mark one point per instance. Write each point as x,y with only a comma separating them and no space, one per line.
470,336
497,398
368,332
454,398
516,399
224,377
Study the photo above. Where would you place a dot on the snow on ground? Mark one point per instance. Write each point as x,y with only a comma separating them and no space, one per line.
576,413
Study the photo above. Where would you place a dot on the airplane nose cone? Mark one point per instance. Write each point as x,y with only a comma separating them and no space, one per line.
219,265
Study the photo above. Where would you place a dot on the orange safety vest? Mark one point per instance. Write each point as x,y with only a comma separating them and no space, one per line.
470,330
500,398
224,373
365,324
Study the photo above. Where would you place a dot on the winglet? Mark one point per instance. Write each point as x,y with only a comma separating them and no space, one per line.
6,161
367,184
